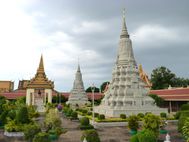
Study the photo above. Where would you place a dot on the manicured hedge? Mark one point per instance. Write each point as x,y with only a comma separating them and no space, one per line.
122,116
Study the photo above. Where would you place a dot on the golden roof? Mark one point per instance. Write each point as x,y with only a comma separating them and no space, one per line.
40,80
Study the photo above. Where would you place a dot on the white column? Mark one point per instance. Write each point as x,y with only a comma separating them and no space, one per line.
28,96
170,107
49,92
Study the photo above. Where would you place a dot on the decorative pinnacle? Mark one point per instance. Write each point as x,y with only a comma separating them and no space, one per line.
123,12
78,68
124,32
41,66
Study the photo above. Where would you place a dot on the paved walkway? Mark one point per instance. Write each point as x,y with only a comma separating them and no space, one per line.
73,133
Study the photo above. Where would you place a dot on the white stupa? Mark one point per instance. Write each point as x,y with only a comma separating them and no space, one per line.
78,96
127,93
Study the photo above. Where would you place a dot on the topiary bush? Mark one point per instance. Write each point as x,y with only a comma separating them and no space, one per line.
133,123
74,115
163,114
84,124
91,136
84,111
84,121
101,117
140,115
185,107
89,113
96,114
122,116
177,115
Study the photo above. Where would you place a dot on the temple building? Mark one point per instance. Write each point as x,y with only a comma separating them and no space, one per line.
127,92
78,96
39,89
6,86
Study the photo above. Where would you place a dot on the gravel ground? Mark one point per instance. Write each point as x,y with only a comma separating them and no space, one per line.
107,134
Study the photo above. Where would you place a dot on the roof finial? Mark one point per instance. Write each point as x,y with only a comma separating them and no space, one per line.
78,68
41,66
123,12
124,32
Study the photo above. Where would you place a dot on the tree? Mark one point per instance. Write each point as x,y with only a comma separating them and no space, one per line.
52,119
103,86
162,77
158,100
89,90
57,99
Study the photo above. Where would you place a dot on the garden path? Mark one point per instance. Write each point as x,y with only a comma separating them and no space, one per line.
73,133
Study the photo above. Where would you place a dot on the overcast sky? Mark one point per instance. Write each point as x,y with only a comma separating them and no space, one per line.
65,30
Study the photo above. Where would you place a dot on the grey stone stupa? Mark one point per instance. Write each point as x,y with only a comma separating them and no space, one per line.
126,93
78,96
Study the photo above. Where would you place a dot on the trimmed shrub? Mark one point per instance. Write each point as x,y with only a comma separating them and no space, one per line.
96,114
74,115
122,116
146,136
86,127
163,114
101,117
84,121
185,107
84,111
177,115
134,138
41,137
140,115
89,113
133,122
152,123
91,136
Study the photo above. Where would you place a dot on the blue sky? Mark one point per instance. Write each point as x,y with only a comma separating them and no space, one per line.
65,30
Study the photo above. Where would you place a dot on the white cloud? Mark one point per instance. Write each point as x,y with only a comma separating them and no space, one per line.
89,27
150,34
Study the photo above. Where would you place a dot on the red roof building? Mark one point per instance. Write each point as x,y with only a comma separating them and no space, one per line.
20,93
174,97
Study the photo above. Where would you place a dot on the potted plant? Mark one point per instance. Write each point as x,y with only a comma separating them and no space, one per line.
133,124
163,124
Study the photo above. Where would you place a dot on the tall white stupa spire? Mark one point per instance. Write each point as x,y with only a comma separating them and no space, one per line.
126,93
78,96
